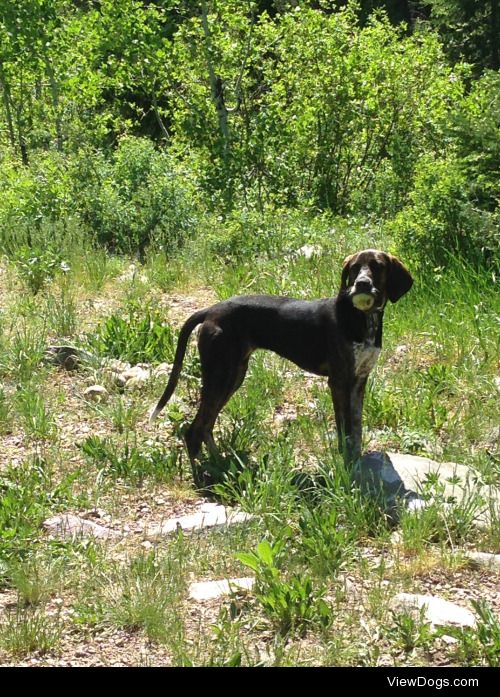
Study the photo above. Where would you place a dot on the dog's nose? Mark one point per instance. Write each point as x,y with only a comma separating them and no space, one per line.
363,285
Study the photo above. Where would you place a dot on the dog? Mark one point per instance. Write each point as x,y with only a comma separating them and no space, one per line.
339,338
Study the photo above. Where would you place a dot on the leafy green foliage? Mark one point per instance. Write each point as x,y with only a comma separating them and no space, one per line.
291,604
38,267
479,645
130,462
410,631
27,493
141,337
140,195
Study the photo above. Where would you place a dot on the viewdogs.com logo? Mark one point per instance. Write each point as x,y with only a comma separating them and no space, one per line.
437,683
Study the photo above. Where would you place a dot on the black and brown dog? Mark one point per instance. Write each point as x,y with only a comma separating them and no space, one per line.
339,338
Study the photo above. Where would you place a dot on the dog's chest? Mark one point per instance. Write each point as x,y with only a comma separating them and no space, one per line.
366,353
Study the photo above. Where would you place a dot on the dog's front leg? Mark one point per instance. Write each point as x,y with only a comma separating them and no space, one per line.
342,408
356,407
348,406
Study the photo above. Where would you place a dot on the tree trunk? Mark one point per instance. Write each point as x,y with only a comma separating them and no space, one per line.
8,111
54,90
495,30
216,85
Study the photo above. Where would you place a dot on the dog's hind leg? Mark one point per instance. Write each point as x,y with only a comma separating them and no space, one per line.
223,370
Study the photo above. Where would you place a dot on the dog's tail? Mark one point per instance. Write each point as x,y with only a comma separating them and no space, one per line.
180,351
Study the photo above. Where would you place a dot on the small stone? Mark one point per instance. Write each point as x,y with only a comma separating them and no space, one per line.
136,371
162,370
68,357
96,393
135,377
135,383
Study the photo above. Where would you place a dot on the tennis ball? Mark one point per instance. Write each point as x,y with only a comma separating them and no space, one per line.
363,301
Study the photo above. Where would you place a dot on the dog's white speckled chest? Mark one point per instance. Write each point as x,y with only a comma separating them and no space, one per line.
366,353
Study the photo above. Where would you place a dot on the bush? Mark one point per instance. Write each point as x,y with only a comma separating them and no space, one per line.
33,201
442,219
453,206
135,197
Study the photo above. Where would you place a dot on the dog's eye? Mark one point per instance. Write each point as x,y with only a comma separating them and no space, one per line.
354,270
375,266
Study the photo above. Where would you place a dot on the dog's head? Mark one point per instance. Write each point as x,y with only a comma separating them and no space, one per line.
371,277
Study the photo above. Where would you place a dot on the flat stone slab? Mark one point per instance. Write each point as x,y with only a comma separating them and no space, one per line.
209,515
485,559
437,611
396,476
67,526
208,590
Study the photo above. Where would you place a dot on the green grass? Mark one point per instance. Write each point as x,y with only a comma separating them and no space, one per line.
325,559
28,631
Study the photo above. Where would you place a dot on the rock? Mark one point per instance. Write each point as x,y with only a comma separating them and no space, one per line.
208,590
135,377
116,365
485,559
209,515
378,478
136,371
67,357
96,393
67,525
162,370
437,611
118,379
396,477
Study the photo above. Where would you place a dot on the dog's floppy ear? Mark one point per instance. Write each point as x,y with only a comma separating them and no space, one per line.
345,271
399,280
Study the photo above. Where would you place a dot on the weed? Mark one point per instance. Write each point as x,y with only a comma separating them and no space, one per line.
35,578
28,630
38,267
146,595
410,632
5,413
325,543
61,310
131,463
292,605
143,336
38,422
479,645
27,493
26,351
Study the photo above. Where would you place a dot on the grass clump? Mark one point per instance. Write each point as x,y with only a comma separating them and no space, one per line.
142,336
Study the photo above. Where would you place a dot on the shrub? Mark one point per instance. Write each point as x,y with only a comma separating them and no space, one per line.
135,197
442,218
